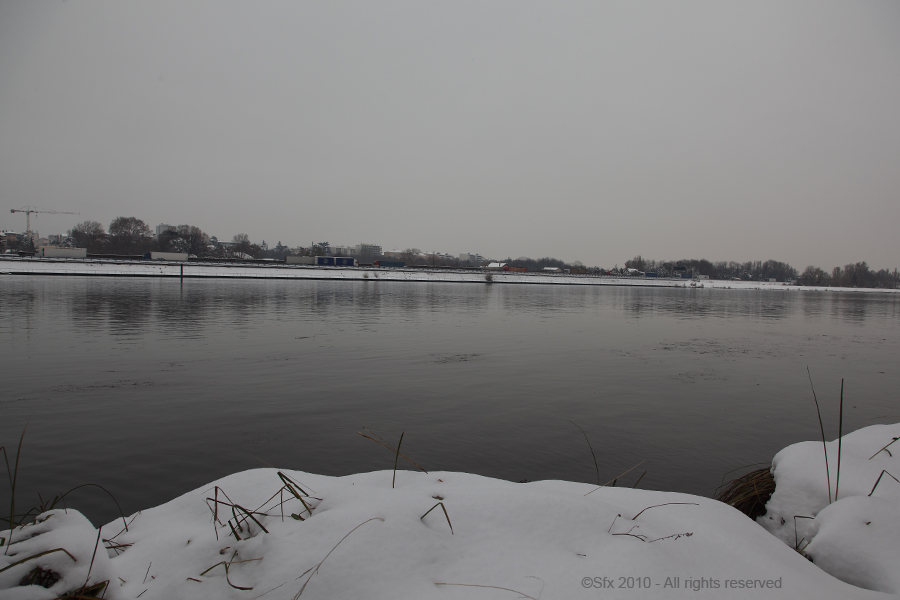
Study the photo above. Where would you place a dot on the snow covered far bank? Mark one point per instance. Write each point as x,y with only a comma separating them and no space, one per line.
141,268
359,538
850,526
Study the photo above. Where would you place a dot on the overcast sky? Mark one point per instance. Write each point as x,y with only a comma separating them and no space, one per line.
585,131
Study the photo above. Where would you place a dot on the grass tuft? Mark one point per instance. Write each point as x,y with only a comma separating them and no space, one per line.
748,493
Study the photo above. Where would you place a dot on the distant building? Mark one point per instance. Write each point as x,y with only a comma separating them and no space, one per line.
370,250
366,253
162,228
10,239
465,257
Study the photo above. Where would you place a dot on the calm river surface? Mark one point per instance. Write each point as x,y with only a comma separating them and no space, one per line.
151,388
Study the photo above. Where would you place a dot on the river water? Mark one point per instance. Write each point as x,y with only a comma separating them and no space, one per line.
151,388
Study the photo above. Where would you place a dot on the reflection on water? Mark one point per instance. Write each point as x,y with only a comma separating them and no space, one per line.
154,387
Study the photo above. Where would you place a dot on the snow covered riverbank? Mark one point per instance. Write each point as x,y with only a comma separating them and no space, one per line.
199,270
446,535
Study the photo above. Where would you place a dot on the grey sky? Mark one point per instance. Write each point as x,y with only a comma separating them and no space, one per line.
590,131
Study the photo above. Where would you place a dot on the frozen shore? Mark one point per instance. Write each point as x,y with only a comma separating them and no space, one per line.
447,535
194,270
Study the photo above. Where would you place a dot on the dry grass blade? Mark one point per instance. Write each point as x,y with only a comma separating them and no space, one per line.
39,554
227,564
92,593
13,476
596,467
493,587
91,567
748,493
617,477
396,459
821,429
97,485
316,568
672,537
796,541
288,480
639,480
885,448
837,482
250,515
879,481
658,505
444,508
389,447
239,514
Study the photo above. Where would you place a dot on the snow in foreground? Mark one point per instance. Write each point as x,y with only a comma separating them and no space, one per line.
855,534
359,538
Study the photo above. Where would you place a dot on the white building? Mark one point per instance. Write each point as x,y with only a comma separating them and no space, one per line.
371,250
162,228
465,257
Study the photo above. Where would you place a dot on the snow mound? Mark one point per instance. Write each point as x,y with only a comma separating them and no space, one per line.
290,535
853,536
59,541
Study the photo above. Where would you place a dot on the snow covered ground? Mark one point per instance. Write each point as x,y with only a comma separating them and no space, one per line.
445,535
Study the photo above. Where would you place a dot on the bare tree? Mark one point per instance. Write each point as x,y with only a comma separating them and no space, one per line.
129,235
88,234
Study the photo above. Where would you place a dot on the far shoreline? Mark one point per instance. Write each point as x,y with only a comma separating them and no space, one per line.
278,271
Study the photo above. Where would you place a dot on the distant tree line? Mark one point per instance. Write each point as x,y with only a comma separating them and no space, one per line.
538,264
132,236
852,275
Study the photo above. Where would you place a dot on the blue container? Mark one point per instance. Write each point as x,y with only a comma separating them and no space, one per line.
325,261
342,261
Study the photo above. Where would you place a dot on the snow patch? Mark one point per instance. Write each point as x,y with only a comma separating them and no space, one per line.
850,528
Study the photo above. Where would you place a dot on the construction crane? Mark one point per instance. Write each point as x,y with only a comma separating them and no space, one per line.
30,209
